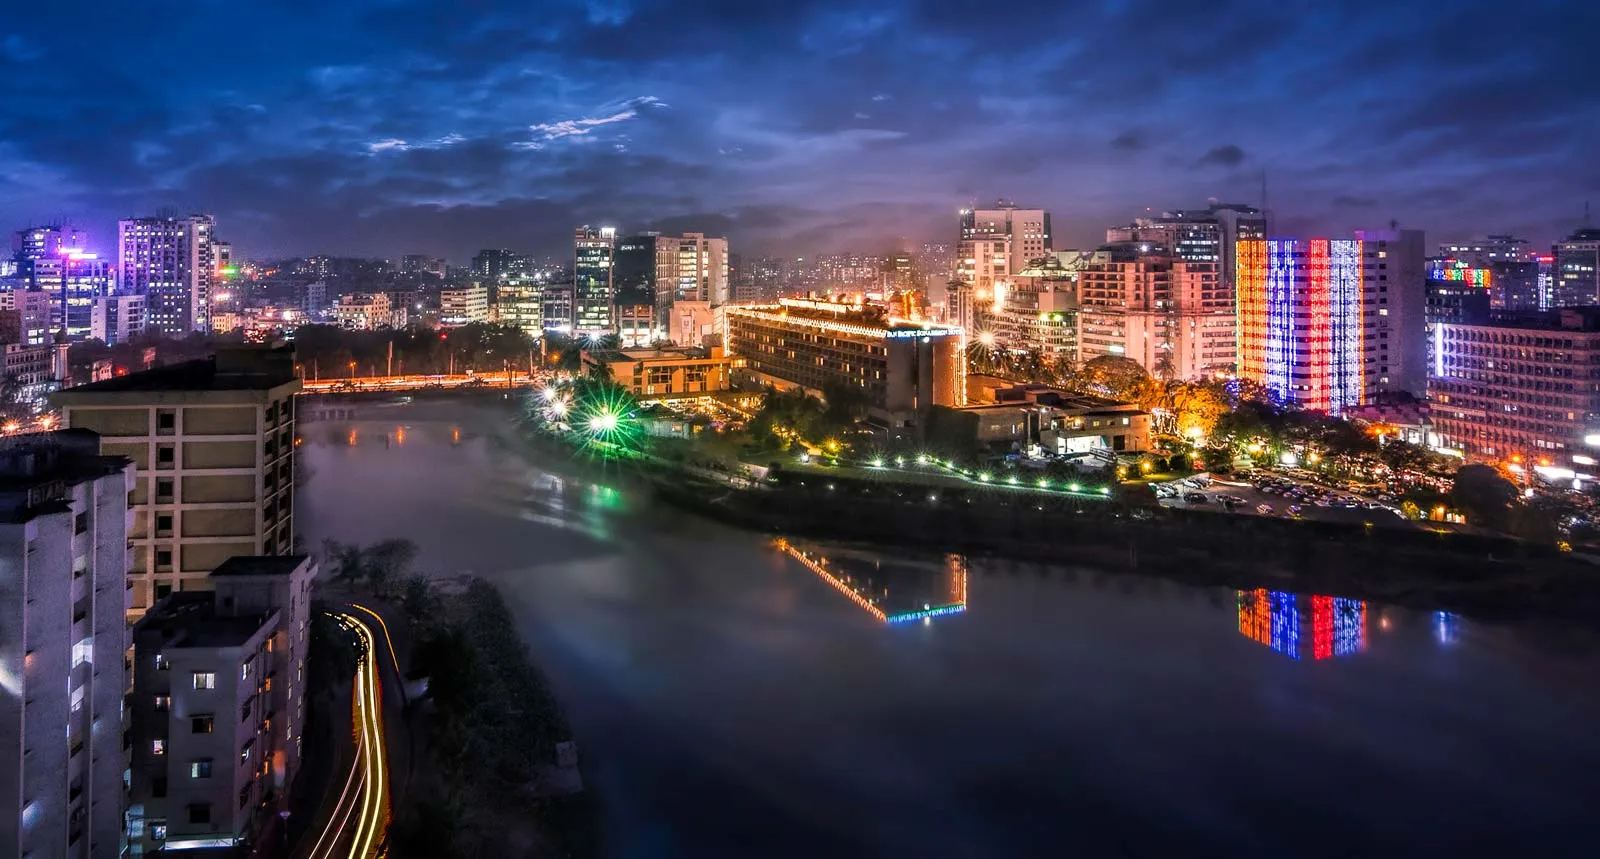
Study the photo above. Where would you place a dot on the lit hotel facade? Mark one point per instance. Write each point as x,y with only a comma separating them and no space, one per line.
1328,323
904,367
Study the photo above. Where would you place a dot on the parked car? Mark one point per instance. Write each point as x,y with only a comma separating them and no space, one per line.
1264,509
1195,498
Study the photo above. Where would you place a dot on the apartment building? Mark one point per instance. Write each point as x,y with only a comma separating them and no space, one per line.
1174,316
463,305
217,707
63,546
213,441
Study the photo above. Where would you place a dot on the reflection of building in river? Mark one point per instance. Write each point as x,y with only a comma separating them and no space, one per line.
894,592
1297,625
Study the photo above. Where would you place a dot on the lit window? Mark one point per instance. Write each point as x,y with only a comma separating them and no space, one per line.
200,768
158,747
205,680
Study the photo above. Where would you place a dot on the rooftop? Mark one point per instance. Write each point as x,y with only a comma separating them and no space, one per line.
860,318
607,356
238,369
259,565
190,619
36,469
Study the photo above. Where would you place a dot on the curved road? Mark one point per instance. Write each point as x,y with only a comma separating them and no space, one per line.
360,818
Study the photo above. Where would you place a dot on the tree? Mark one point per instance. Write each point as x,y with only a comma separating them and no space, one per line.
1110,376
332,653
1485,496
387,561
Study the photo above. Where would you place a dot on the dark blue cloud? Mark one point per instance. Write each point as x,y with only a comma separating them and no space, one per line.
387,126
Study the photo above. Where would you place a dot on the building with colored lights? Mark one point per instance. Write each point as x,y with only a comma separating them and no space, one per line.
1303,627
1527,387
904,368
172,263
593,288
217,706
213,442
1328,324
663,373
1173,316
463,305
894,592
63,544
1577,270
54,260
1456,295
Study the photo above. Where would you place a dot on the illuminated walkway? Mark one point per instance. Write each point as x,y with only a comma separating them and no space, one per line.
360,818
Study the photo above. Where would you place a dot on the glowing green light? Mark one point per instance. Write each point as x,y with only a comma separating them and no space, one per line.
1044,484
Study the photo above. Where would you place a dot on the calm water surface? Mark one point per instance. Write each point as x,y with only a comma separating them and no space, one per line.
733,698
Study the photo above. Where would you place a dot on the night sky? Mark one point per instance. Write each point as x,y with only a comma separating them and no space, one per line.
383,127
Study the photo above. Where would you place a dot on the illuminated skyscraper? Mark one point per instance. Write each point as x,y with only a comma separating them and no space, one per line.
1327,323
172,263
655,269
593,291
996,244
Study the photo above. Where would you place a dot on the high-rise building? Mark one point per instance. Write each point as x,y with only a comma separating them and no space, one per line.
904,368
172,263
217,706
593,292
995,244
63,545
495,265
661,270
1518,286
1198,235
556,300
48,242
1326,324
116,318
32,308
1486,251
463,305
213,440
1041,310
1527,387
1457,294
1174,316
521,305
1027,231
424,264
1577,270
312,299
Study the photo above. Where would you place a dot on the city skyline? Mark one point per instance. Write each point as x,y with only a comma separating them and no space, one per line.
831,126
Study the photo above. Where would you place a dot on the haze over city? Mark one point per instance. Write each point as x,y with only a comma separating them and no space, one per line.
380,128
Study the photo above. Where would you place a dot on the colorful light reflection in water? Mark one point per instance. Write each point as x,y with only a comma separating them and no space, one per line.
1296,625
872,591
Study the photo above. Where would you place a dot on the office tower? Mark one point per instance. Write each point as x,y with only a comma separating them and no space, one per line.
48,242
116,318
556,301
1457,294
172,263
1027,232
213,440
662,270
1041,310
1174,316
63,541
904,368
1528,386
521,306
592,289
217,706
1577,270
494,265
463,305
1517,286
1326,324
1198,235
852,273
765,281
936,261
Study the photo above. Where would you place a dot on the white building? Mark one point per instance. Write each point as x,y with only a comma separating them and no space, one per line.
172,263
463,305
63,547
217,706
116,318
365,311
1175,317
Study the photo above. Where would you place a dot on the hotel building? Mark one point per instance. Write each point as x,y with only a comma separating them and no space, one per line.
905,368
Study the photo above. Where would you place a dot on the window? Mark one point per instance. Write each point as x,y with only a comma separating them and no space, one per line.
163,703
164,562
80,523
205,680
158,828
244,751
200,768
163,524
164,456
164,488
166,420
162,662
158,786
200,812
201,724
162,591
158,747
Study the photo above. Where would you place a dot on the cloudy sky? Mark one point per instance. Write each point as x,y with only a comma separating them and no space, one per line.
380,127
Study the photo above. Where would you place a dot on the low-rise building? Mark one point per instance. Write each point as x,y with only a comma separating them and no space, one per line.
217,706
663,373
463,305
63,547
366,311
1059,422
904,368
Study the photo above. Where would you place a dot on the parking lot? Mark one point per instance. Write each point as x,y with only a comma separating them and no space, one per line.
1278,493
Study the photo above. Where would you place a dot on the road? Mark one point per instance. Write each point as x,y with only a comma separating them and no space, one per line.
360,817
411,383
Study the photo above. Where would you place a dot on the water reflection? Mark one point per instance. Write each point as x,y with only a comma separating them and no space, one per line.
893,592
1298,625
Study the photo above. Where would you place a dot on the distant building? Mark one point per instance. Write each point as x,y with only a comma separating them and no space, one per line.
666,269
1527,387
904,368
312,300
635,325
1486,251
63,545
32,308
463,305
1577,270
217,710
556,301
663,373
117,318
496,265
593,289
995,244
213,441
1209,235
422,264
1173,316
172,263
1457,294
35,370
1328,324
521,306
365,311
1521,286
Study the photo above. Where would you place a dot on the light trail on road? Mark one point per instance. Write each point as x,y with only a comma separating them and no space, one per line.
360,817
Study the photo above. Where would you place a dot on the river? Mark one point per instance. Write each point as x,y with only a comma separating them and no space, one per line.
731,698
